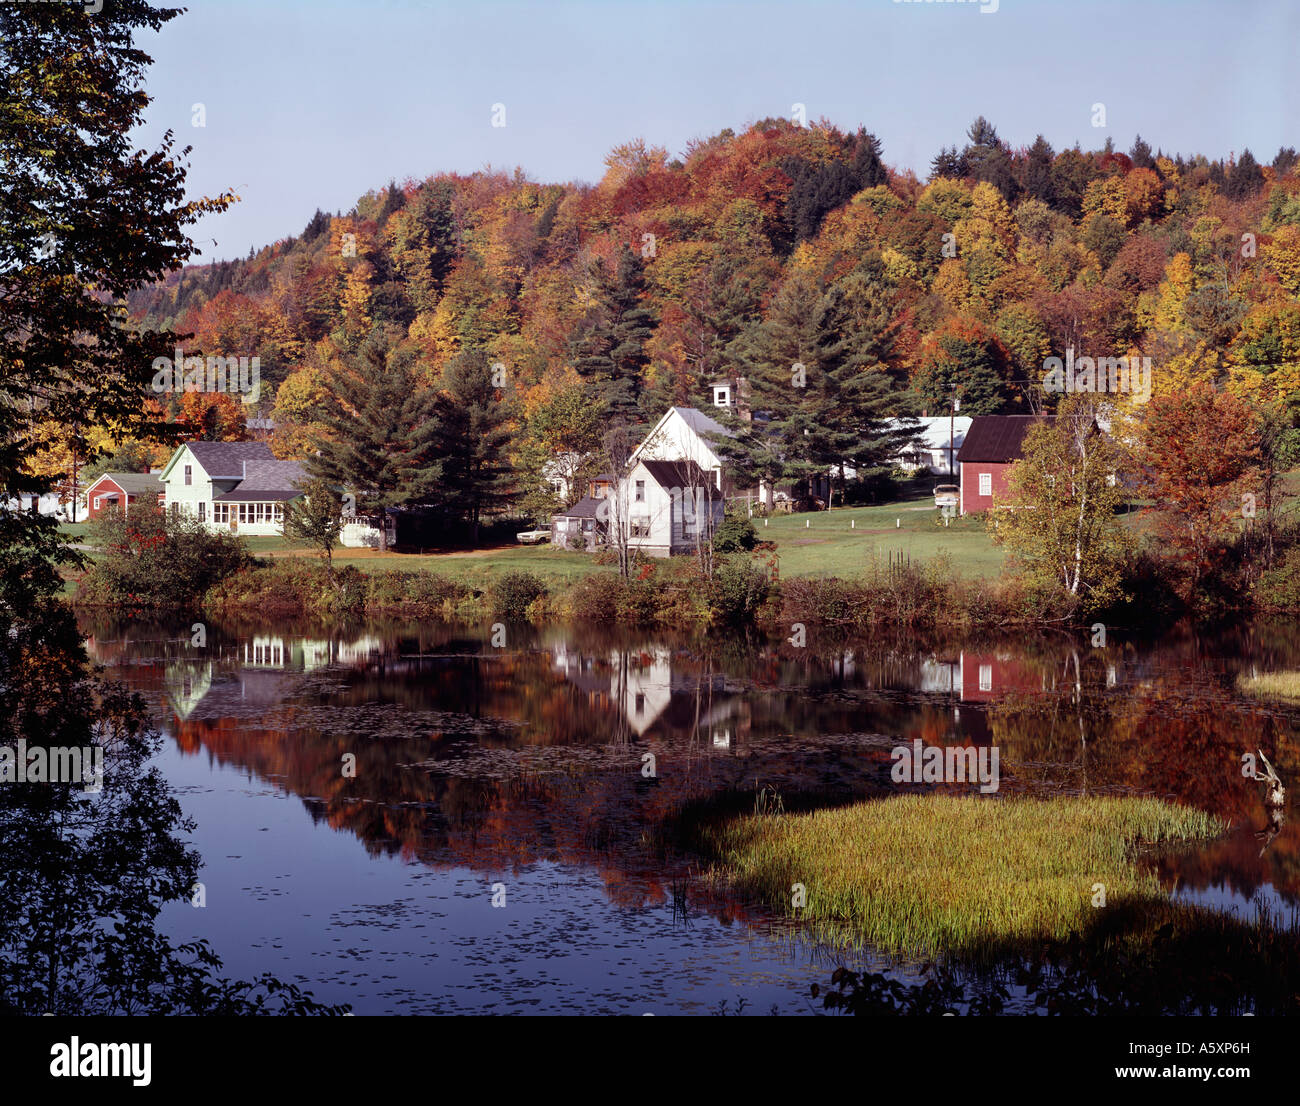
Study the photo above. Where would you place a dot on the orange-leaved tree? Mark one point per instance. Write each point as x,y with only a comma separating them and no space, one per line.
1201,448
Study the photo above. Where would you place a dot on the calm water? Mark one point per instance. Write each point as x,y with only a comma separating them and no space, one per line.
516,774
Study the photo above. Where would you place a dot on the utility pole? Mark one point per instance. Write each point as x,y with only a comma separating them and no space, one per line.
952,412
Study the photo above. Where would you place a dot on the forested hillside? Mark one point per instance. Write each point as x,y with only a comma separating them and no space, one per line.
756,251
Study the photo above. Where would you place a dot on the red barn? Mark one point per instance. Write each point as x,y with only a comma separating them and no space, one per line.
121,489
992,446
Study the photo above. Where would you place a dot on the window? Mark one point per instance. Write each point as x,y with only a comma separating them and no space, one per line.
640,702
986,483
220,512
986,677
189,475
97,499
640,491
722,395
203,507
638,529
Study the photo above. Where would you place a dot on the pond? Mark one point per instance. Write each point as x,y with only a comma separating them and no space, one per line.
433,819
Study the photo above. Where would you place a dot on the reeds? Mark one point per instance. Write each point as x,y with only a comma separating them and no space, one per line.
924,875
1271,685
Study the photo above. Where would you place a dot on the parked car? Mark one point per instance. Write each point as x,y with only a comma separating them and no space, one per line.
532,537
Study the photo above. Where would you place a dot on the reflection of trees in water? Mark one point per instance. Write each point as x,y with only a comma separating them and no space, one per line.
1178,733
719,716
83,876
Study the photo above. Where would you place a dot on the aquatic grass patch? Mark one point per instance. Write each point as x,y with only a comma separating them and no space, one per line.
1271,685
924,874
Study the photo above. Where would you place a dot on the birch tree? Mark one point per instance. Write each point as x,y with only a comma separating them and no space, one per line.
1058,519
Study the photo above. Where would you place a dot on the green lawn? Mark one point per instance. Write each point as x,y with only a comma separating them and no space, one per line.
77,531
842,542
539,559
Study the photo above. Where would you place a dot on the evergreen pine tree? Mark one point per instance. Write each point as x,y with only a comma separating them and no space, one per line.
609,349
379,446
1038,182
472,436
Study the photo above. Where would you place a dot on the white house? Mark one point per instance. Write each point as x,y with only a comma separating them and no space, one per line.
238,486
928,448
48,503
671,506
685,434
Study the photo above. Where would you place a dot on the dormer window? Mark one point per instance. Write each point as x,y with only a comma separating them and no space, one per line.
722,395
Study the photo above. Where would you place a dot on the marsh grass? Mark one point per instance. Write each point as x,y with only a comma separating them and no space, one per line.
921,875
1271,685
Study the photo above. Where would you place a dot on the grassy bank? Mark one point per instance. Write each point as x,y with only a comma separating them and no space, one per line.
842,543
1271,685
923,874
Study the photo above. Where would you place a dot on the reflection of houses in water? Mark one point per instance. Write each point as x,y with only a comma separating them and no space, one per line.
939,676
185,683
642,685
254,675
981,677
988,676
194,690
304,655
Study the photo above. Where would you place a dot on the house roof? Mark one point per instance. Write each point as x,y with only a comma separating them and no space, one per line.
225,460
995,439
133,483
586,507
700,422
680,474
931,432
275,475
697,421
265,481
256,495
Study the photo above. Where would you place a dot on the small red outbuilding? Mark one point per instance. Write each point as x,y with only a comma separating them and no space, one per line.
121,489
992,446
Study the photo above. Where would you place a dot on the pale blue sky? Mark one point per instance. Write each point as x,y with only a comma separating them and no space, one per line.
310,103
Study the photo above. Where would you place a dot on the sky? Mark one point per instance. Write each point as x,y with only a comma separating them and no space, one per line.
310,104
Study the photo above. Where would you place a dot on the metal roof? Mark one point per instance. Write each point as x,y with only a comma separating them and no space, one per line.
680,474
996,439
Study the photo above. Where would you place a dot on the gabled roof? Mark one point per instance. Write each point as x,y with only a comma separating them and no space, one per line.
697,421
680,474
996,439
133,483
700,422
223,460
